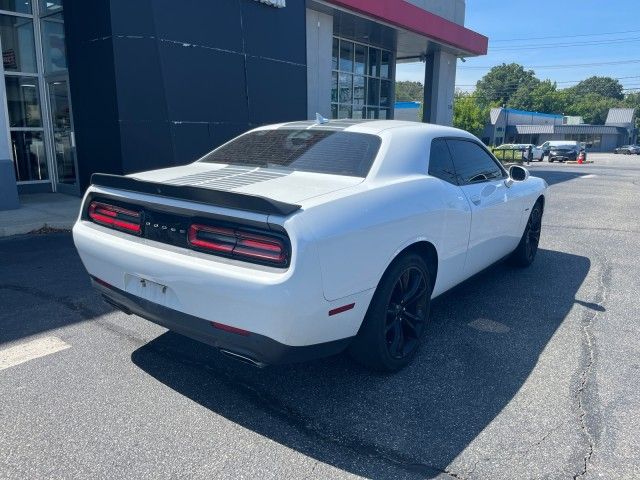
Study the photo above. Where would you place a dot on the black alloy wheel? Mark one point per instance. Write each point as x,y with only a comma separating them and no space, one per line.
525,252
406,313
396,320
532,238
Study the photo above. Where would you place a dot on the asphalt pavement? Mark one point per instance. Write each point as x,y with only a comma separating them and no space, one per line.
525,374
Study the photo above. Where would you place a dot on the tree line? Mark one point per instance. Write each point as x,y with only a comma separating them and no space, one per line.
513,86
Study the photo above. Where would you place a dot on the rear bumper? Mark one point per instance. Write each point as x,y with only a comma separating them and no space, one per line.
249,347
286,306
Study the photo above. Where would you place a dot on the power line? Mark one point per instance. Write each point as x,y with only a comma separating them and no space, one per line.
563,36
553,81
566,45
542,67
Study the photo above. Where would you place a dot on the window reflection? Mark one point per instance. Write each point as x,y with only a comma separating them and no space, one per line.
18,51
23,101
53,46
29,158
19,6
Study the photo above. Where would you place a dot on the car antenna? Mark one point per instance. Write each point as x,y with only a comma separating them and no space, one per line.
320,120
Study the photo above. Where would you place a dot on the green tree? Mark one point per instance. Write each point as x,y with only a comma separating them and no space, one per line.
605,86
543,97
632,100
501,83
592,107
468,114
407,91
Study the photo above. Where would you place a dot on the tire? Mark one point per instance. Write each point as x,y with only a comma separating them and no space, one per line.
525,252
395,324
550,160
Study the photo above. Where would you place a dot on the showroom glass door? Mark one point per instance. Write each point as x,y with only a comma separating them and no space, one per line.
64,151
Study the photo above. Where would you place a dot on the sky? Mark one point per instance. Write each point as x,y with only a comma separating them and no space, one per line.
584,31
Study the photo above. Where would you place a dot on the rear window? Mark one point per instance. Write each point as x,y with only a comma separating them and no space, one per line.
320,151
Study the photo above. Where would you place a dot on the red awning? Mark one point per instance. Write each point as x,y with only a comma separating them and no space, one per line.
409,17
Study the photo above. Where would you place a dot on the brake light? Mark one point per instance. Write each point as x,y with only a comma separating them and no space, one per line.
238,243
115,217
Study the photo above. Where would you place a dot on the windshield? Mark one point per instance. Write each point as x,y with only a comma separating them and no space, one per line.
563,147
320,151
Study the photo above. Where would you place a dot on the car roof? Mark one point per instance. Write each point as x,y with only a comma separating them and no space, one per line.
374,127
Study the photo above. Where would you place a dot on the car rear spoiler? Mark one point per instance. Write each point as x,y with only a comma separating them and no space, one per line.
220,198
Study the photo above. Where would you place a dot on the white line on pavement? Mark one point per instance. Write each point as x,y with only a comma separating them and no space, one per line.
591,175
40,347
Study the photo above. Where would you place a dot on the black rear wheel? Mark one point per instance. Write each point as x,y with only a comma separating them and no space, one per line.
396,320
525,252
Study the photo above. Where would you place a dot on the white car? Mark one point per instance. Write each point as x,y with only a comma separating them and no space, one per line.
299,240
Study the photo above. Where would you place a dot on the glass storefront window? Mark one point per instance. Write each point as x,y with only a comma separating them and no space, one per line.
361,81
385,93
23,101
359,90
53,47
344,111
374,62
334,87
385,64
19,6
18,46
346,56
373,92
30,161
346,89
335,53
360,59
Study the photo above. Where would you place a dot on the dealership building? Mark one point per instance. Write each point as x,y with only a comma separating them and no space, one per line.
120,86
507,125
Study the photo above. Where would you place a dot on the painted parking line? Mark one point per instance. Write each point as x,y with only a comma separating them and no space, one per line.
591,175
40,347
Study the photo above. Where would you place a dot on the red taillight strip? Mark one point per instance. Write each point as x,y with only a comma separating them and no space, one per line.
221,233
238,243
230,329
109,215
341,309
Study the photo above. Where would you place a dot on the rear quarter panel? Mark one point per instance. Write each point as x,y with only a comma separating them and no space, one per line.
359,235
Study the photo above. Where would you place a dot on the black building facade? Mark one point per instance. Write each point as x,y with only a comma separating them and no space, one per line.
156,83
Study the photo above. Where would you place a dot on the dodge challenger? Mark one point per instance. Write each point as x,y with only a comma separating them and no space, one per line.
304,239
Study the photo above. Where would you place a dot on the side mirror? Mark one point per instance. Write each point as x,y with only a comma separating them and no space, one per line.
518,173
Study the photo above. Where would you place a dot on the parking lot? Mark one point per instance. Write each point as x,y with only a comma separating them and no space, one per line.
525,374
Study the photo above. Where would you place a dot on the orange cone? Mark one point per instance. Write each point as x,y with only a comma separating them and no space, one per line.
581,158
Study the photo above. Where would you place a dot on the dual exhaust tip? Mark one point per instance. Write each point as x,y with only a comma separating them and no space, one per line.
227,353
242,358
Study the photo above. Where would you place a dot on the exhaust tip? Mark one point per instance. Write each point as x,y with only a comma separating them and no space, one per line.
242,358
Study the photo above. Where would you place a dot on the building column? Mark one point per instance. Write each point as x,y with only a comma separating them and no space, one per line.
319,53
8,187
439,88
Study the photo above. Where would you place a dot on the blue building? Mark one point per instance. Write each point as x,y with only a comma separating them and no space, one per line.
508,125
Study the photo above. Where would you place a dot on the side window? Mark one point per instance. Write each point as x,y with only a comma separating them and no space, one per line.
472,163
440,163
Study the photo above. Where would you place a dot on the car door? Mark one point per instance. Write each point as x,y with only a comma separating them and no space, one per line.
456,218
496,210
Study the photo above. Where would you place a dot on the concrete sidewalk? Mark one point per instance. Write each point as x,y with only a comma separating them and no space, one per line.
38,211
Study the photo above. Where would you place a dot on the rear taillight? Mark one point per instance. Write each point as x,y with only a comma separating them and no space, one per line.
238,243
115,217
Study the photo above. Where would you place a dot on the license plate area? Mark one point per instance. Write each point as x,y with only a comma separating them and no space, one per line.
149,290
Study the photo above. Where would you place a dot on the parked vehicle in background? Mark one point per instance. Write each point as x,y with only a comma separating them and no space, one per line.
537,152
565,152
548,145
628,150
520,148
299,240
